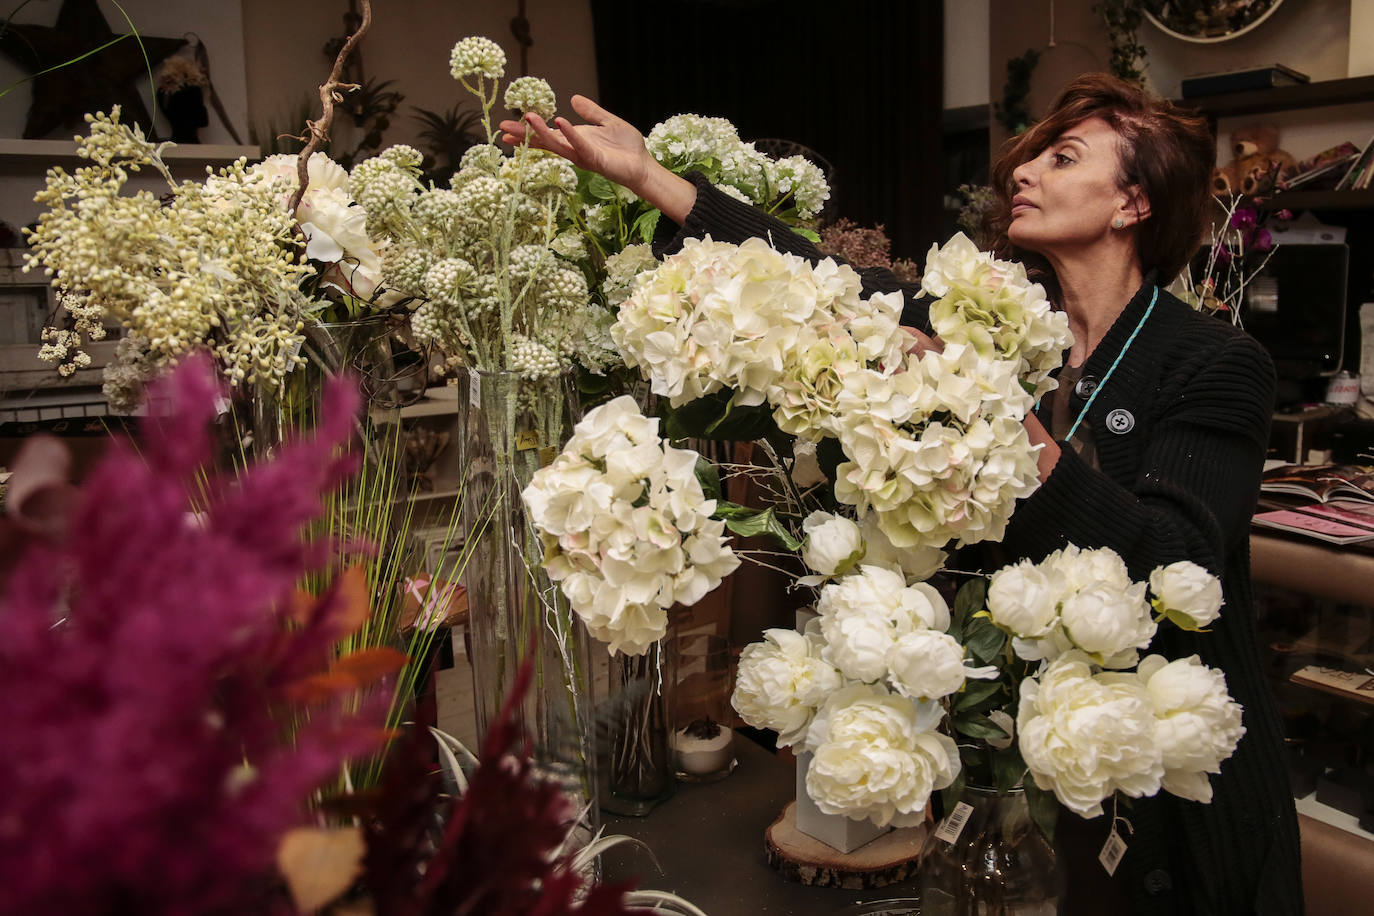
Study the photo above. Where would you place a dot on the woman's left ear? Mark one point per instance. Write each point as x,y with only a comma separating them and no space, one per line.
1137,206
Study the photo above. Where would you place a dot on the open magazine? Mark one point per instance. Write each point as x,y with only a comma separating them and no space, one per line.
1321,482
1335,523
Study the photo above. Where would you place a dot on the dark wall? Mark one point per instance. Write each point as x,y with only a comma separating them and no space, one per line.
861,83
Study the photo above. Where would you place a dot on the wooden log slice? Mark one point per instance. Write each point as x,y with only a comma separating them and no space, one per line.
891,858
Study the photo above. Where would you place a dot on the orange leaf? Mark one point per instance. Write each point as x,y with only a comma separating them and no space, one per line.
352,600
301,606
367,666
320,687
319,865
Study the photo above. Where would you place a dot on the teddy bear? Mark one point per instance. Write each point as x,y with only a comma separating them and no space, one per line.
1256,162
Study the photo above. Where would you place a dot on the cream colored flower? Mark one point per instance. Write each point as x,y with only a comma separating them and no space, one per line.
1186,590
1085,736
1109,623
877,756
928,665
863,614
1197,724
833,545
781,682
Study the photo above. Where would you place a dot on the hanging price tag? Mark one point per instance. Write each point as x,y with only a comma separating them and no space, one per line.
546,455
526,439
474,388
1113,851
952,826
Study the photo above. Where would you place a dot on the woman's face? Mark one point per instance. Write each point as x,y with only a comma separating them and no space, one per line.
1067,197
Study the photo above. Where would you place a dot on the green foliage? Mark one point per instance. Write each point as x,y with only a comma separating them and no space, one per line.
1044,808
1013,113
716,416
1122,20
748,522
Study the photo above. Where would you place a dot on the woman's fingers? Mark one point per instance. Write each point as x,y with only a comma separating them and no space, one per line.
541,136
591,112
921,342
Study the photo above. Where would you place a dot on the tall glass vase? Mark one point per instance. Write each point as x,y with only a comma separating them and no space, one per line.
998,863
637,762
513,427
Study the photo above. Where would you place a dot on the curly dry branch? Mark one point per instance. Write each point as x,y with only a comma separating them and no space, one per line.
329,94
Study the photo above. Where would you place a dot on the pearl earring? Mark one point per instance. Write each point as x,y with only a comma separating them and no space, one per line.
1118,223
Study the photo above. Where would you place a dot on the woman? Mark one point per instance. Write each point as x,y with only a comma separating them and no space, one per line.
1153,443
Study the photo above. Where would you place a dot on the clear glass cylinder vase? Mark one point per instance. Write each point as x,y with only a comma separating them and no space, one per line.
637,763
511,427
1000,864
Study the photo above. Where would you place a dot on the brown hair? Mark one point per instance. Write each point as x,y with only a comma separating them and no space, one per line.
1167,153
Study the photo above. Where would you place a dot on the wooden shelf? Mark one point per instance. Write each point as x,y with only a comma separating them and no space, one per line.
46,152
1323,200
1284,98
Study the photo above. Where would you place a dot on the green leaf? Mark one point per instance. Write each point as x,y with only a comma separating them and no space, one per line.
808,234
600,187
985,641
1184,622
709,478
754,522
715,416
1044,808
976,692
645,225
977,725
1007,769
968,601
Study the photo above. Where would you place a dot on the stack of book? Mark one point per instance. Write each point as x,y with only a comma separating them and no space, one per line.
1361,171
1329,502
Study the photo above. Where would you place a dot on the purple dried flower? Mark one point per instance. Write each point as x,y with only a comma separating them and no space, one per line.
1262,240
147,764
1243,218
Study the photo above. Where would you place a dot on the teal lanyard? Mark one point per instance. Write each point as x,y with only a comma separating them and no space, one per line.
1103,384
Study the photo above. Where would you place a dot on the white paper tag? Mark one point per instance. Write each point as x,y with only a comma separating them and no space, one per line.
1113,851
952,826
474,389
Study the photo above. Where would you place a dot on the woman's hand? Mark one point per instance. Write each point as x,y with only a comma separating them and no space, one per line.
610,147
920,342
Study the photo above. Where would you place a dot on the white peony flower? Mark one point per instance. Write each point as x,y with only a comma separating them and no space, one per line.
1109,623
877,756
832,547
917,563
781,682
334,225
1085,736
1188,594
1024,599
1197,724
928,665
863,614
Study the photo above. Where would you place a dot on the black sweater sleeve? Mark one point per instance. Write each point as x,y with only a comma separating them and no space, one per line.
726,219
1199,475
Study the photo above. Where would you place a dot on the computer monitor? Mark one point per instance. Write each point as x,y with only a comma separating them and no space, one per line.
1296,309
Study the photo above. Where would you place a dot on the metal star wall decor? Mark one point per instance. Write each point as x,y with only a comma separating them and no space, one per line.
97,83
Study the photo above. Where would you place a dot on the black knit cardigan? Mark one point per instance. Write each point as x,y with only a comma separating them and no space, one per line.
1178,481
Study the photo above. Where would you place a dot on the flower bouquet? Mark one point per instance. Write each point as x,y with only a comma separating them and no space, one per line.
895,692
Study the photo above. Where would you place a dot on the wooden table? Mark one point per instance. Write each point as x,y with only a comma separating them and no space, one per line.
709,841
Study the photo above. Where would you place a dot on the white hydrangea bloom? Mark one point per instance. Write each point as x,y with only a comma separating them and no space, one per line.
477,56
621,270
627,527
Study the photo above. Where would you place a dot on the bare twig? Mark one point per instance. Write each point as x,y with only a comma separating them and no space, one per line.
330,92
